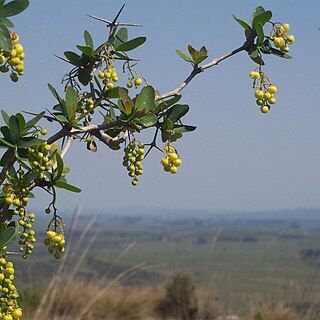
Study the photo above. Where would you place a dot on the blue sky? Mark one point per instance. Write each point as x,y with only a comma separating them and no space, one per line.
237,159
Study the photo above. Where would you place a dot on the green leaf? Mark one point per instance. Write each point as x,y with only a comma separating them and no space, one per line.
30,176
6,156
196,56
121,37
168,103
6,22
5,39
62,118
71,102
13,8
8,235
6,133
63,107
203,52
258,60
148,120
86,60
131,44
31,195
164,135
279,53
199,59
76,124
249,34
88,51
66,186
30,142
59,169
14,127
6,143
122,56
145,100
193,52
48,175
22,121
5,117
114,93
57,107
112,113
113,145
3,226
84,77
22,163
254,55
183,55
259,30
107,117
54,92
168,124
253,52
261,18
88,39
34,120
256,12
242,23
21,154
121,106
183,128
176,112
74,58
126,100
98,84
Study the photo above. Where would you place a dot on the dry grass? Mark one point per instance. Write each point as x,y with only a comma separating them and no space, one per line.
92,300
113,304
281,311
272,312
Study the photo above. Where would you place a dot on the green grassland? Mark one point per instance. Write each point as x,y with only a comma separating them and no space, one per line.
233,257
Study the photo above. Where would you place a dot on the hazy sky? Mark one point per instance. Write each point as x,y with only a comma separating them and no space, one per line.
238,158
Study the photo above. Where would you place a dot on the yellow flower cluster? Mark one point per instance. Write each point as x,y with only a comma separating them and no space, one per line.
171,161
13,59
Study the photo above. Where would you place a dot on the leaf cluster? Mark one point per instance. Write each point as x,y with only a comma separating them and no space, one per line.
9,9
19,135
194,56
255,31
117,44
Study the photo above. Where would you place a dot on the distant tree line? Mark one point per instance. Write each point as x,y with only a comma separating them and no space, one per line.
309,254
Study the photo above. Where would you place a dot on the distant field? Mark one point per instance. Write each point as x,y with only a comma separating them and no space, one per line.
234,257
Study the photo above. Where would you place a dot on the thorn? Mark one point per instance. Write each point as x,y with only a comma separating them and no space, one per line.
100,19
117,16
114,23
65,60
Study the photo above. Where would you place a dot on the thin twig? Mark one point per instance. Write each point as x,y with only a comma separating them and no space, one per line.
196,70
92,127
153,143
